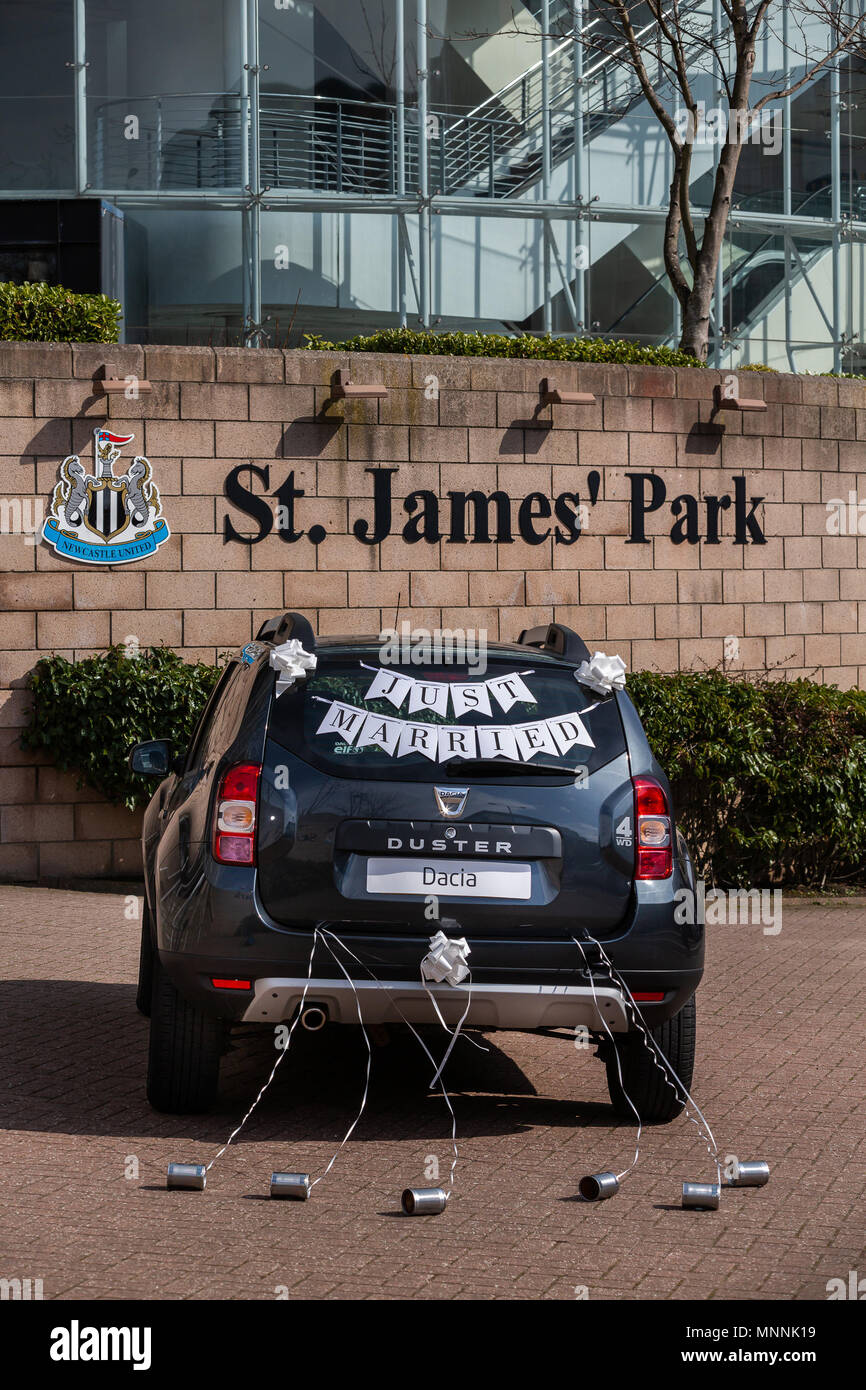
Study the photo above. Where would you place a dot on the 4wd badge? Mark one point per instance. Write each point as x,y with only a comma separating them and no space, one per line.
623,832
102,519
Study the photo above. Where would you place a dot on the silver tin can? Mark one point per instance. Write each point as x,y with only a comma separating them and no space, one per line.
424,1201
188,1175
753,1174
295,1186
701,1196
597,1187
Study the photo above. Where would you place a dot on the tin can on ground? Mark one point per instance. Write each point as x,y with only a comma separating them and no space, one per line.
295,1186
424,1201
192,1176
701,1196
753,1174
597,1187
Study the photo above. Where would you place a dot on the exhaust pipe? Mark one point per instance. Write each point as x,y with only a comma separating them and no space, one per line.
314,1017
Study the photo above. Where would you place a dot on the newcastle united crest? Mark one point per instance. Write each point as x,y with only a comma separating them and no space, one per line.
104,518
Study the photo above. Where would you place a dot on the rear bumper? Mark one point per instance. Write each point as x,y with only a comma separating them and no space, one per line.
218,927
518,1007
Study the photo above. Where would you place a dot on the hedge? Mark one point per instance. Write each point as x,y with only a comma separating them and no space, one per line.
769,777
543,346
39,313
87,714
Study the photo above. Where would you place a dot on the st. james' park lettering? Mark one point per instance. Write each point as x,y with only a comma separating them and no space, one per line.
479,517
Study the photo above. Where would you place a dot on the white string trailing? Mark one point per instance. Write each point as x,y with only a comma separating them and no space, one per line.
316,933
379,985
327,937
680,1090
625,1172
235,1132
453,1035
347,1135
447,962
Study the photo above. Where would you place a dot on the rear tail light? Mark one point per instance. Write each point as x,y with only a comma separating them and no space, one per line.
230,984
235,816
653,830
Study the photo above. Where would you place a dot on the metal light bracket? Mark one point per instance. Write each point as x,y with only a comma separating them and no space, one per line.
113,386
343,387
551,394
736,402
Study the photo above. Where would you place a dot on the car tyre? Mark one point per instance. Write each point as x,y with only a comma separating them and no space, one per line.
145,967
185,1050
655,1101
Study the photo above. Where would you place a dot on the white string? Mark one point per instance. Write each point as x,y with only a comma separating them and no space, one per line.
282,1053
424,1048
466,1037
625,1171
456,1033
656,1053
346,1136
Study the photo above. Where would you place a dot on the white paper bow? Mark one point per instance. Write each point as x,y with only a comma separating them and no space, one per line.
446,960
603,673
291,661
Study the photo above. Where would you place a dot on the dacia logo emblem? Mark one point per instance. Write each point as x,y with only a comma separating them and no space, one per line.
451,800
103,519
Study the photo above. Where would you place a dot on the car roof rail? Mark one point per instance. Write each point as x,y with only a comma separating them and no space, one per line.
285,626
557,639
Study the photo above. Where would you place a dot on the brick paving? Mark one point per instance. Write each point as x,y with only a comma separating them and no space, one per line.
779,1076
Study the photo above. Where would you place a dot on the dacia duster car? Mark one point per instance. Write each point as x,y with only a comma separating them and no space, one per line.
386,802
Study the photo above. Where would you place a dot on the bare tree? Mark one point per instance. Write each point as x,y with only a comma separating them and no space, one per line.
665,45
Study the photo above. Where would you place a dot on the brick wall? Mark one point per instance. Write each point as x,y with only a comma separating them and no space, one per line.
796,604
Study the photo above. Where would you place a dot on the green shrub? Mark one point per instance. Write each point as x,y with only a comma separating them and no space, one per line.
544,346
50,314
768,776
87,714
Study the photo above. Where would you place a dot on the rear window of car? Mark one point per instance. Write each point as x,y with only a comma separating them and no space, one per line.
355,717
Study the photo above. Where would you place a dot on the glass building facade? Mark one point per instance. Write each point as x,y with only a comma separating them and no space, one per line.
263,160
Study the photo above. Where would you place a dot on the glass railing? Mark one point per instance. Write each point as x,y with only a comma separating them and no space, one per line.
177,141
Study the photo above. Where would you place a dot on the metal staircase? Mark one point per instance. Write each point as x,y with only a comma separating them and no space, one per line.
754,274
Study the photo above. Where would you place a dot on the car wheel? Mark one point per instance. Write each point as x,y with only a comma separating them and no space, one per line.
655,1101
185,1050
145,967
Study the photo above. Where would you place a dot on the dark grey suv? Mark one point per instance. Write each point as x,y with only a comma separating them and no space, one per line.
387,802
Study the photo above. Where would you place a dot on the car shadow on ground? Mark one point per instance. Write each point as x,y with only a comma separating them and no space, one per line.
75,1058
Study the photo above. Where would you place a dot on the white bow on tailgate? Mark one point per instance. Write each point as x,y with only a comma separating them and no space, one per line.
291,661
602,674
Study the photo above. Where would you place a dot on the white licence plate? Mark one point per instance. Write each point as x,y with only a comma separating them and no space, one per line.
449,878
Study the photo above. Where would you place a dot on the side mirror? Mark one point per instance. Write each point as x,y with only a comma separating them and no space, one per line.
151,759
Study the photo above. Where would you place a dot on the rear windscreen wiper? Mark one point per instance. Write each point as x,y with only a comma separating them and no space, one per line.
497,767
